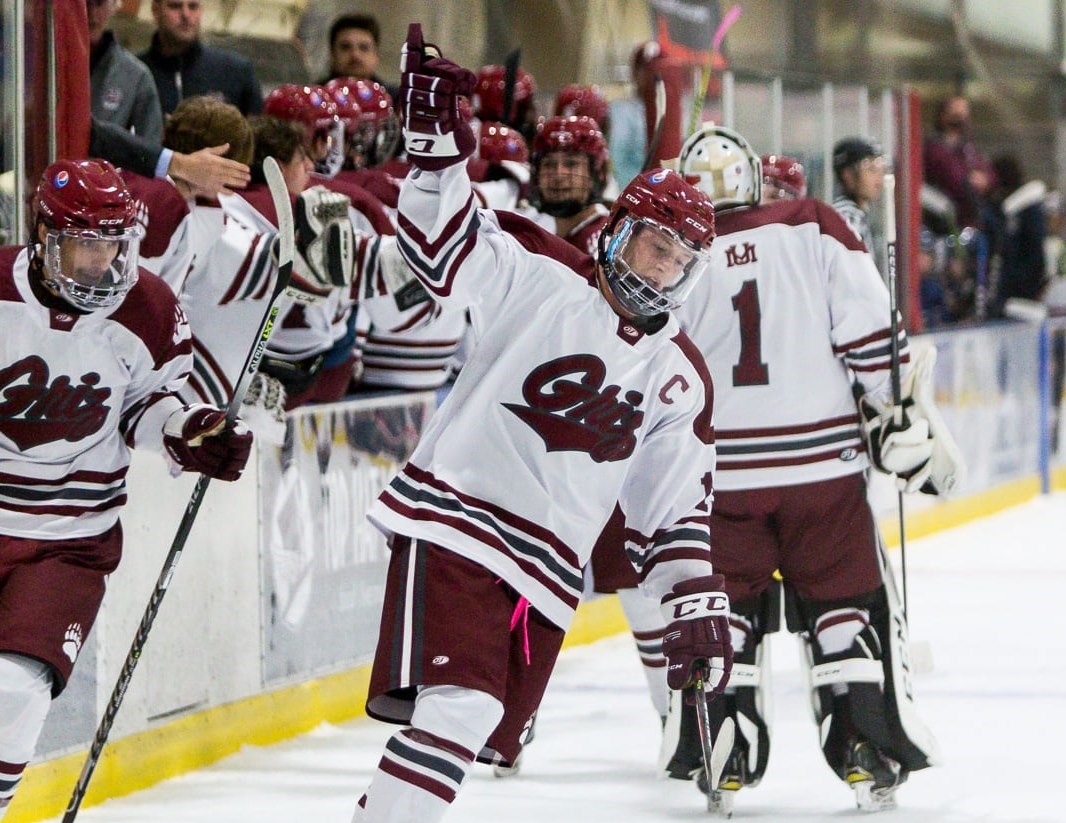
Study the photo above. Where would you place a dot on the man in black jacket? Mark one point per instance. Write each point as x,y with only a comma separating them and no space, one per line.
183,66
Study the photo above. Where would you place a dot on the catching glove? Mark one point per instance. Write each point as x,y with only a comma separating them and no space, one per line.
199,439
697,634
897,441
435,116
325,239
920,451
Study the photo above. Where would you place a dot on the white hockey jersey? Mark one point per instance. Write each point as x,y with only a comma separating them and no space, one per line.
76,391
563,412
226,293
791,312
407,339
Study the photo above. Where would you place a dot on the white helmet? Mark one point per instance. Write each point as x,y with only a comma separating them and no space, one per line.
723,165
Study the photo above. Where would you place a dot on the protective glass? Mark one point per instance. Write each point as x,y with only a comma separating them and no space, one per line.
92,269
650,268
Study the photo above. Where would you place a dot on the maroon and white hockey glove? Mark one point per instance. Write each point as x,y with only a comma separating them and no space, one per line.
697,634
199,439
436,121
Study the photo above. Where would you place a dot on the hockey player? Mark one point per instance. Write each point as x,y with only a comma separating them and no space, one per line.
91,354
783,178
569,167
489,100
583,100
796,314
582,397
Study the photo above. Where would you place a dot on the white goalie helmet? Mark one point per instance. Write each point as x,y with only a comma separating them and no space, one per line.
723,165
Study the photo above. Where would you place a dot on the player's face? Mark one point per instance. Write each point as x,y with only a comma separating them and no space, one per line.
178,21
297,171
656,257
354,54
85,261
564,175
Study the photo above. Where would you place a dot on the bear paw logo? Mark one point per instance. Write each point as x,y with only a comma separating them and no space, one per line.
72,641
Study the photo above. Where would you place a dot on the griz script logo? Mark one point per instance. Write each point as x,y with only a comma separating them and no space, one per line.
35,410
571,409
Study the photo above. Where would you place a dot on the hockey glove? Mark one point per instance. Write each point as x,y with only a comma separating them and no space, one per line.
697,634
199,439
325,239
436,125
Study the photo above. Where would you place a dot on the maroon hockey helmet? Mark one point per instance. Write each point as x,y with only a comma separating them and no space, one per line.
498,143
656,244
490,90
580,135
312,106
374,134
783,178
86,233
577,99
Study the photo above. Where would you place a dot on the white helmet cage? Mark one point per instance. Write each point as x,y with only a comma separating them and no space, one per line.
636,291
723,165
106,271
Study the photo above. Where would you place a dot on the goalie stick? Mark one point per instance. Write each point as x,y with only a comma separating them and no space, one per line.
282,205
889,203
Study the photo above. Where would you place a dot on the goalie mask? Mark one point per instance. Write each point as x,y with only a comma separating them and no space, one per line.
722,164
86,234
656,244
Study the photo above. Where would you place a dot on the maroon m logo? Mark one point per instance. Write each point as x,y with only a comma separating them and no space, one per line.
740,255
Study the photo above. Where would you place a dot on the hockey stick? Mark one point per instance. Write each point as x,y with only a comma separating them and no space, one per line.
705,76
282,206
889,195
714,755
657,134
510,81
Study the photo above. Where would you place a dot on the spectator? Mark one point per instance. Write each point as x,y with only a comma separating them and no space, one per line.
122,89
954,164
98,377
354,40
859,168
1018,230
184,67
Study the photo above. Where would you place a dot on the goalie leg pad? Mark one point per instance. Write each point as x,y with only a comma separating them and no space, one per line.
857,691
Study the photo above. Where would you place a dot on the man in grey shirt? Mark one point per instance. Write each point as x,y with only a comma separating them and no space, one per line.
122,89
